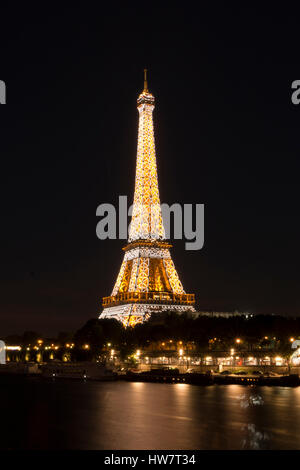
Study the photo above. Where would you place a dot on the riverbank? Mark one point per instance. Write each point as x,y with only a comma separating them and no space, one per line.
99,372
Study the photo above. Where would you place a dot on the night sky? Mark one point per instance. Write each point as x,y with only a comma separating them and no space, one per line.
227,135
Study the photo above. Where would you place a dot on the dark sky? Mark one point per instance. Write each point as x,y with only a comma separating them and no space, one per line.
227,135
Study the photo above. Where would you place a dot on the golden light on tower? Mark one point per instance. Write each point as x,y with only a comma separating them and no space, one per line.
147,281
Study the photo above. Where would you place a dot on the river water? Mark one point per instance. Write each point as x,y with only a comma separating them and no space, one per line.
70,414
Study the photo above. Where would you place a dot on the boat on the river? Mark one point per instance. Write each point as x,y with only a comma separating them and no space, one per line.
166,375
291,380
209,378
78,370
20,368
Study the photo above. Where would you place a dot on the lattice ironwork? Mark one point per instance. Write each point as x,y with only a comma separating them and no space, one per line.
119,278
143,275
173,277
133,279
146,222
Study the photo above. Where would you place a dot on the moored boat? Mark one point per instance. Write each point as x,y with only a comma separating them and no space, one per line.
78,370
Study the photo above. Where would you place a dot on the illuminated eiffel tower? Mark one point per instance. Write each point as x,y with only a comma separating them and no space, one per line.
148,281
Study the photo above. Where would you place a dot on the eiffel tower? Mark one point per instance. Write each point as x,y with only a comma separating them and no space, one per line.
148,281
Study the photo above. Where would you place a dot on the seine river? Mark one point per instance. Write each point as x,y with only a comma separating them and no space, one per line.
61,414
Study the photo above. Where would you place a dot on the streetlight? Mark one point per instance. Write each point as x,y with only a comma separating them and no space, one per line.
207,359
138,353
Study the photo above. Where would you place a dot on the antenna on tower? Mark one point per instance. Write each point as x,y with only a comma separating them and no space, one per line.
145,81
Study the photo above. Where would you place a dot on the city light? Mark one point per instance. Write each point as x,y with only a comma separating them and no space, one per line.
238,340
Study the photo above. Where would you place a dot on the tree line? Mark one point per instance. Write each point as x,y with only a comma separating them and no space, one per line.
264,331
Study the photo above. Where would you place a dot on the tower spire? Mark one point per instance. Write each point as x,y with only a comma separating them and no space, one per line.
145,82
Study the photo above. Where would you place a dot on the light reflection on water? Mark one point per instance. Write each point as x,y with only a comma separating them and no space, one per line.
121,415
